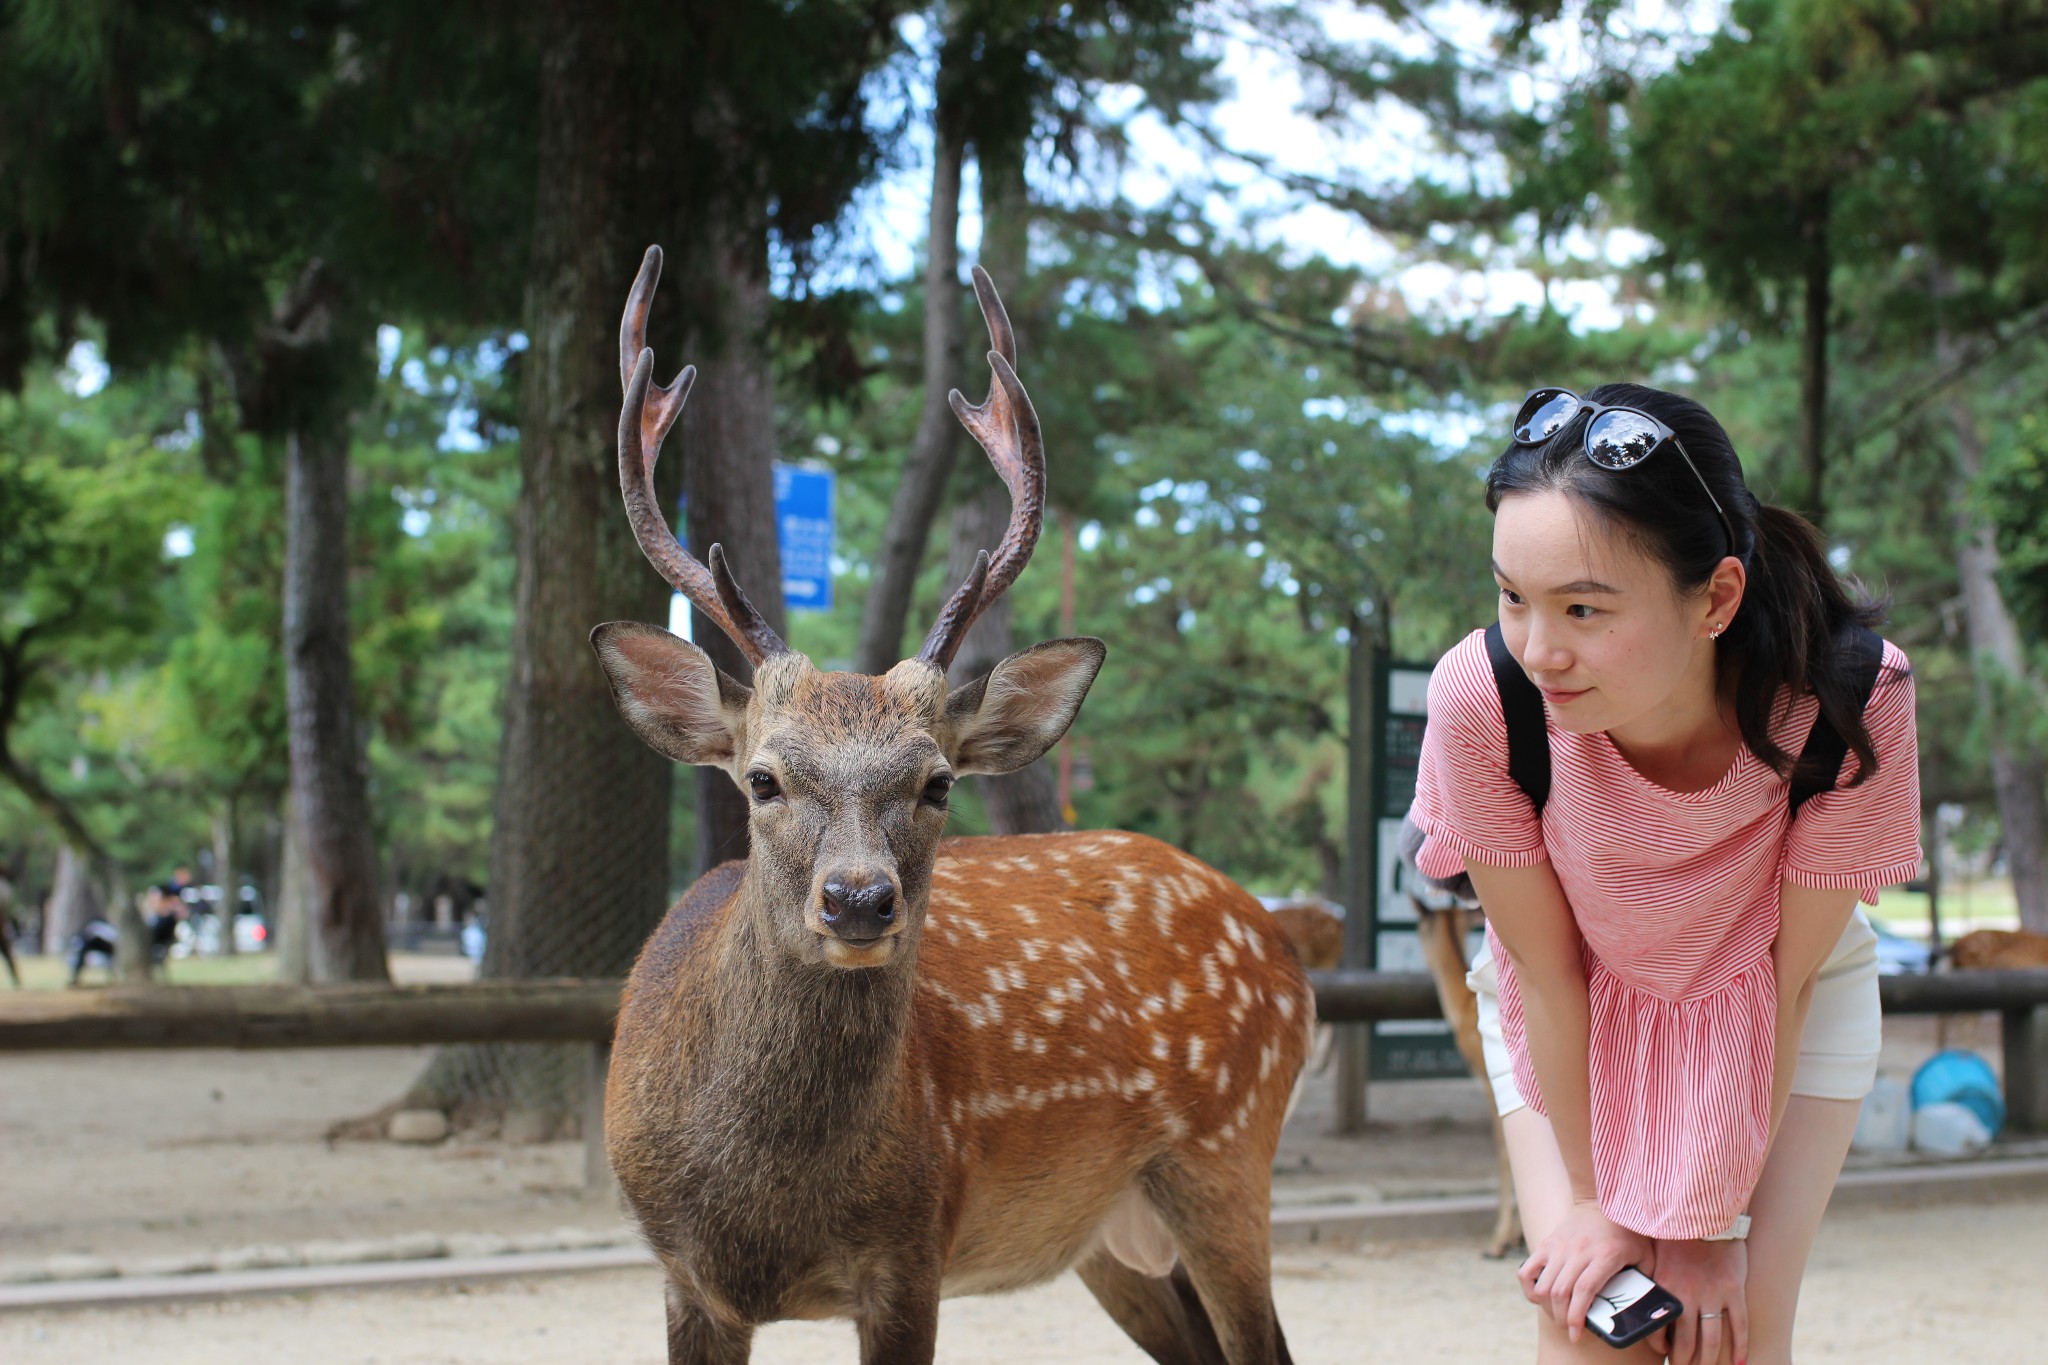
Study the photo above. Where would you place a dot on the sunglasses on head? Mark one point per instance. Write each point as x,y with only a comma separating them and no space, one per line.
1616,438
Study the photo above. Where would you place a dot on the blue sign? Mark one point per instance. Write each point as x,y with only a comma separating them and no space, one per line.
803,529
803,524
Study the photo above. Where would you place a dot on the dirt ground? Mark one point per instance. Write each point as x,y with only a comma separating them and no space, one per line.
1925,1286
136,1155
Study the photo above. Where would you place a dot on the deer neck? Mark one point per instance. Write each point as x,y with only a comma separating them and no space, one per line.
821,1047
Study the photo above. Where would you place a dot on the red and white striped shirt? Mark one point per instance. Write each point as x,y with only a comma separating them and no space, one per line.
1676,895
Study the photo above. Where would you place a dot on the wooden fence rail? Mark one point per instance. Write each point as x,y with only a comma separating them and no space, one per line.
574,1011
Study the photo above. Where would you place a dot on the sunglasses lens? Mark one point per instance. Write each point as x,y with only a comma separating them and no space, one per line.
1619,439
1543,414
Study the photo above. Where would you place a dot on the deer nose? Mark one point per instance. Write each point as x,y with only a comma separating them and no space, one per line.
859,911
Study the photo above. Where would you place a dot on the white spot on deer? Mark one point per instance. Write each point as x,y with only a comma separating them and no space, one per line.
1244,991
993,1008
1257,943
1232,930
1197,1045
1052,1014
1177,996
1211,977
1122,965
1074,987
1019,1041
1096,1025
1237,1012
1161,1048
1016,974
997,981
1153,1005
1223,1078
975,1016
1038,1047
1225,951
1056,995
1286,1006
1028,915
974,927
1032,949
1268,1055
1119,910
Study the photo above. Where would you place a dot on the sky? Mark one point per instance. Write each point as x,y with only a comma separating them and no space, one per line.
1263,116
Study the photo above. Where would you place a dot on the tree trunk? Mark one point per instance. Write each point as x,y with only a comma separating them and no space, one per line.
2019,773
292,914
72,900
728,440
935,448
224,873
1813,348
329,768
1026,801
579,847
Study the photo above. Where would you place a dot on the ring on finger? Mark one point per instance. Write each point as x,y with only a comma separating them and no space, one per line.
1705,1316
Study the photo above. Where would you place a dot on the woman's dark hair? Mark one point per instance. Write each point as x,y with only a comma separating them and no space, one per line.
1789,632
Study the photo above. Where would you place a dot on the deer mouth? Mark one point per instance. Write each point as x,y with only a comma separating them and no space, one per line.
855,954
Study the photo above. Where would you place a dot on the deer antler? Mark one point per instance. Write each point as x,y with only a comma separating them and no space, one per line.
1007,428
649,411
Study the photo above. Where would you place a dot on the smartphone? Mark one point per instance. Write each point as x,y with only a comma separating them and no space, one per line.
1631,1306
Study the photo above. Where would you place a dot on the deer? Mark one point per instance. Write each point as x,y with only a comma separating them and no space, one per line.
868,1067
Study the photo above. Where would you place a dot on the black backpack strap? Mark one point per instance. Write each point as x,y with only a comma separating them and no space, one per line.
1521,706
1820,762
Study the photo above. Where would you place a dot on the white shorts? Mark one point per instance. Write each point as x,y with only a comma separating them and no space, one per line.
1837,1051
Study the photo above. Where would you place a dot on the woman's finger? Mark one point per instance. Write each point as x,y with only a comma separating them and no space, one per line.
1592,1280
1738,1328
1685,1339
1712,1329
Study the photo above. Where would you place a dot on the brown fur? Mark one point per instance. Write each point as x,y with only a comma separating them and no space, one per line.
2000,948
810,1129
1317,935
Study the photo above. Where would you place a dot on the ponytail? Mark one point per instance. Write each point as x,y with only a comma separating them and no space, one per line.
1789,638
1789,635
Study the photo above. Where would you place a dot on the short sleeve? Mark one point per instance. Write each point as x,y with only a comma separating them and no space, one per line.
1867,836
1465,802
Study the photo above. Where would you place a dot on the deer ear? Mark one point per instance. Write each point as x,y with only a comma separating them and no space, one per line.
999,723
671,693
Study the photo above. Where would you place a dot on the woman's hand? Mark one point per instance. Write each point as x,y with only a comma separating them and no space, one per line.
1708,1277
1581,1254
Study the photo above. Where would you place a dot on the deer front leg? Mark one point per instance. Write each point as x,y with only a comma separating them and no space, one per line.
696,1338
902,1327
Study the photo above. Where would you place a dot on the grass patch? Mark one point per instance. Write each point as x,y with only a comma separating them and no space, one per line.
244,969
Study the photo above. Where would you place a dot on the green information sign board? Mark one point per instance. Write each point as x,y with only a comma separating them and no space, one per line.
1402,1049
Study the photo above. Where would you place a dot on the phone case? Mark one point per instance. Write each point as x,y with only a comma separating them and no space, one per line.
1631,1306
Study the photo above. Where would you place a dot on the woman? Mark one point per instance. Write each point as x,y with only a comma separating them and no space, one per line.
1679,997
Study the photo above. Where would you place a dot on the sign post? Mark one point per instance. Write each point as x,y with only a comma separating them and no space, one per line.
804,526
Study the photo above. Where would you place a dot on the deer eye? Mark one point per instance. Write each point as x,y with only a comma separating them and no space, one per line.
764,786
936,790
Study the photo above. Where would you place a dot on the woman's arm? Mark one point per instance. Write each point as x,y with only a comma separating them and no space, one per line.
1810,923
1529,914
1578,1255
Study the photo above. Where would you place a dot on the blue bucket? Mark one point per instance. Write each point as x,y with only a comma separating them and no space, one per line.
1958,1077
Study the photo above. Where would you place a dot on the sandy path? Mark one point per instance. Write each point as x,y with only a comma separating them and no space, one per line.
1933,1284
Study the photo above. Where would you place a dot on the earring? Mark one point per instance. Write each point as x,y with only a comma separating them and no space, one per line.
1715,633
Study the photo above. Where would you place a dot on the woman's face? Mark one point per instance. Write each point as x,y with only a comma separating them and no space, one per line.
1596,623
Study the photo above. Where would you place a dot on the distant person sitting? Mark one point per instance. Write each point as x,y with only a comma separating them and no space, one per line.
162,909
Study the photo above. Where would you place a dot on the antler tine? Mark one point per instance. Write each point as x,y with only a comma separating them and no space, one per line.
753,627
646,416
1006,427
951,628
